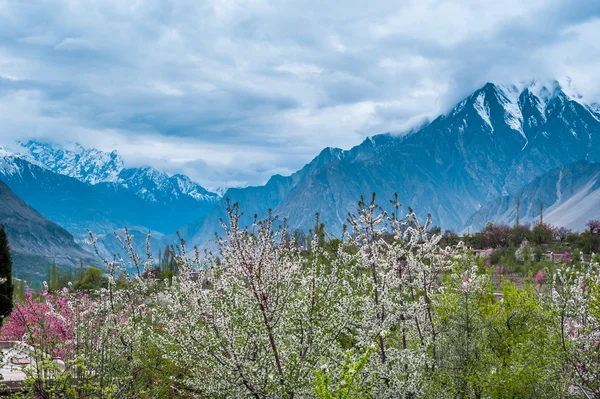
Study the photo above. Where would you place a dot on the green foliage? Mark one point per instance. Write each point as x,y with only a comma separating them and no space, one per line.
518,234
93,279
168,262
495,346
53,282
588,243
542,234
350,384
6,286
519,350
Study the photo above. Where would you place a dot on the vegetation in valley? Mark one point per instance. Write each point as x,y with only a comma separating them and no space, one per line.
394,308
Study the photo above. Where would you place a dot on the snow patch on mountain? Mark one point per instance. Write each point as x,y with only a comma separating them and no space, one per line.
4,151
577,209
594,110
87,165
94,166
483,110
513,117
558,190
7,165
220,191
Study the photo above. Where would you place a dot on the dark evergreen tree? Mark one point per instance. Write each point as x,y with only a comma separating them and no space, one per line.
6,288
173,263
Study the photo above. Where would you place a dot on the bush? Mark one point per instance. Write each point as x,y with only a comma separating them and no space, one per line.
366,316
542,234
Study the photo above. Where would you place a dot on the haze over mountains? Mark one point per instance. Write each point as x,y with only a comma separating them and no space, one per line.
465,168
34,240
85,189
570,196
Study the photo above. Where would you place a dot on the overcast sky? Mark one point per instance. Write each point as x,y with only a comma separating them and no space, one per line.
231,92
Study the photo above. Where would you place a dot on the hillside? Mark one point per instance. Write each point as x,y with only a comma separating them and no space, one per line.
491,144
570,195
34,240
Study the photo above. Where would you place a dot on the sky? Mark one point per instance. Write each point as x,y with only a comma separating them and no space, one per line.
231,92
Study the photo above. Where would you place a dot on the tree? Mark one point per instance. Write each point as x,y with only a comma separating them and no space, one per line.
22,289
53,277
92,279
450,237
543,233
518,234
495,236
561,233
165,261
6,278
576,302
80,272
518,211
594,226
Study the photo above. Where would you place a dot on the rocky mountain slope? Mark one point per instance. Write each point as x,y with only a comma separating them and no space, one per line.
490,144
94,167
143,198
34,240
570,196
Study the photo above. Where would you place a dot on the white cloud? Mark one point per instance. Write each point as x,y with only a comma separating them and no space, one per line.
233,91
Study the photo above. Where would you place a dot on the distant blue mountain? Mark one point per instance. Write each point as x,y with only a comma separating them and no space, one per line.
83,189
490,144
34,240
96,167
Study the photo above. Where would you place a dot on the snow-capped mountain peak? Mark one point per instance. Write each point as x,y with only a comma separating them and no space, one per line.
523,108
5,151
87,165
93,166
220,191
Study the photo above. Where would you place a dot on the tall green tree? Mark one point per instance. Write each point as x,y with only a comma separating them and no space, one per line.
165,258
54,277
22,290
6,287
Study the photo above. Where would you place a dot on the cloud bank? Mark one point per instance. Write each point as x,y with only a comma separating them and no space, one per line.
231,91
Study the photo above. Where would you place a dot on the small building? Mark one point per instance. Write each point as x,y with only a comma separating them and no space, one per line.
16,358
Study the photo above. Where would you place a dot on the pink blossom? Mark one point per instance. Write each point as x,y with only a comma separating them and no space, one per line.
540,278
48,320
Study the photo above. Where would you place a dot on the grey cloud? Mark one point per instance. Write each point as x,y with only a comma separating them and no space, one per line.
272,82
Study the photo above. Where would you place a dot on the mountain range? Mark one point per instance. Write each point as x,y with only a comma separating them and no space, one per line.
34,240
95,167
491,144
83,190
89,190
465,167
